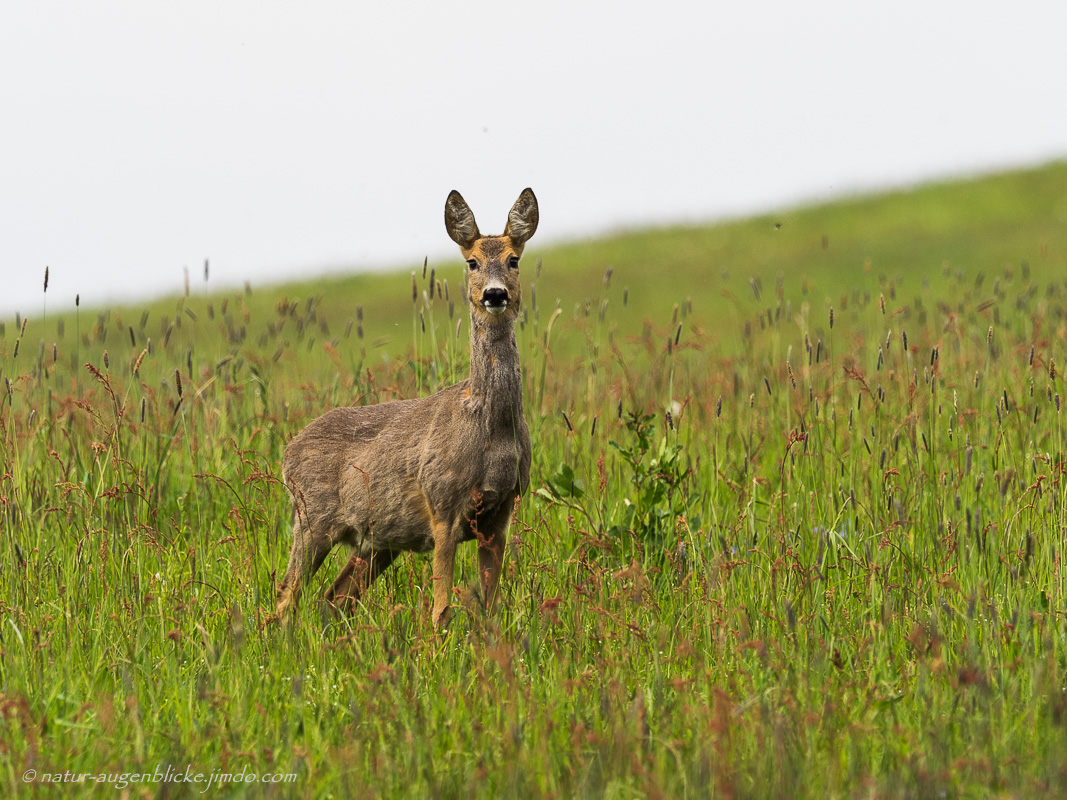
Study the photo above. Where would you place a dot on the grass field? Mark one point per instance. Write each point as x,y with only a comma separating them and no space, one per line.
795,526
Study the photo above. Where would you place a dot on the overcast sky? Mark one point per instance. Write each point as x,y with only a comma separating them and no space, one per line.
287,139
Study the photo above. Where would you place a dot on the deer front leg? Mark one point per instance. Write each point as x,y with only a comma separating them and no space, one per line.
490,563
444,560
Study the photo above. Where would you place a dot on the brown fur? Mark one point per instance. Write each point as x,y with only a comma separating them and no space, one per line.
429,473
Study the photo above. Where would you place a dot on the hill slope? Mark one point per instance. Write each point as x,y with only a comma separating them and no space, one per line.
913,240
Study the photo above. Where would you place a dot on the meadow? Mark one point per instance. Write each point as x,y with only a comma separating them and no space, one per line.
795,524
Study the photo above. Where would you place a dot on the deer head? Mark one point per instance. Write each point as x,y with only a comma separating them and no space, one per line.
492,261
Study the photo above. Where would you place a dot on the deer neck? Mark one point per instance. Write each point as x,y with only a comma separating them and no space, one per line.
496,377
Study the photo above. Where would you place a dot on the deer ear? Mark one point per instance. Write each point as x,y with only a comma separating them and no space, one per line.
459,220
522,221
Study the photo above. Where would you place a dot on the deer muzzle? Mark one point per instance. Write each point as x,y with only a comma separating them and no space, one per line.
495,300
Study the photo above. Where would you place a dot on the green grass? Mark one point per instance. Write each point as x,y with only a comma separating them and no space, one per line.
764,554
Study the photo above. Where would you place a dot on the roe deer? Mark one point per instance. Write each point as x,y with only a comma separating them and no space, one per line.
429,473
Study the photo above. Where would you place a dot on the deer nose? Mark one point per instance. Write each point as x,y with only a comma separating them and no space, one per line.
495,300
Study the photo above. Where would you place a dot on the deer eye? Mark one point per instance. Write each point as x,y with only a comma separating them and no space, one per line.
472,264
513,262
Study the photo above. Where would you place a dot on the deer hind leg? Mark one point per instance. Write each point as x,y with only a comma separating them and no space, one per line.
491,559
356,577
308,552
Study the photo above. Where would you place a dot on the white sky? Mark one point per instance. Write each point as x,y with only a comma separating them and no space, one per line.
287,139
